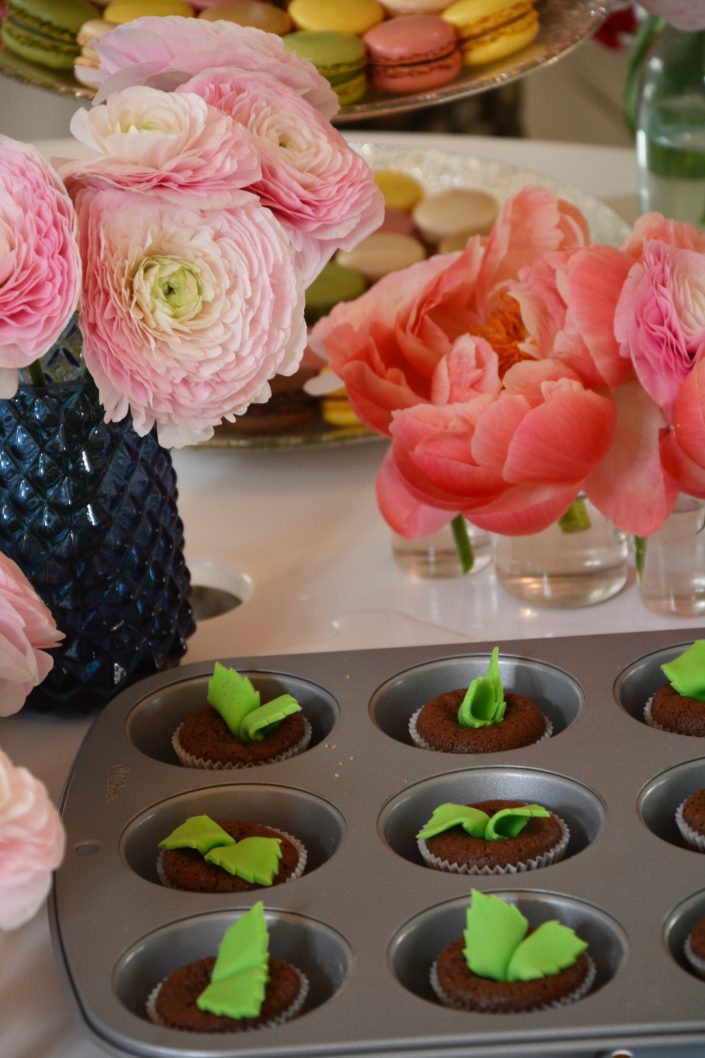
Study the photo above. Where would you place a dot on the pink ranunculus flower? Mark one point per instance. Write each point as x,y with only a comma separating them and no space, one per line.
186,314
39,262
313,181
163,52
32,842
149,140
27,630
386,345
683,14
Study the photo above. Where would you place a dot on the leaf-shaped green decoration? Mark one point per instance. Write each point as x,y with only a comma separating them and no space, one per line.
509,822
484,702
261,721
254,859
197,832
232,695
239,978
449,815
494,931
548,950
686,673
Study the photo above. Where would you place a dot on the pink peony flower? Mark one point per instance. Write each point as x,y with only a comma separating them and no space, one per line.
163,52
185,314
31,844
175,143
39,263
27,629
315,184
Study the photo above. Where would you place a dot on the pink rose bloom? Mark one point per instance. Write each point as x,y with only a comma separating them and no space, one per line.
27,629
163,52
39,262
31,844
149,140
683,14
186,314
315,184
386,345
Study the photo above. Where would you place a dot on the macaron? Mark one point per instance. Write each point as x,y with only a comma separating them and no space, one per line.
334,283
492,29
339,57
412,53
414,7
398,221
381,253
399,189
120,11
45,31
459,211
344,16
90,32
255,13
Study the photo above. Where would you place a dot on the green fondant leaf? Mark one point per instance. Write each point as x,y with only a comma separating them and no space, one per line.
484,702
232,695
197,832
239,977
450,815
494,931
254,859
686,673
509,822
256,724
548,950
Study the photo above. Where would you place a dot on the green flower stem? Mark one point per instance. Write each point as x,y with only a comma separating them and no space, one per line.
640,555
462,542
36,373
576,519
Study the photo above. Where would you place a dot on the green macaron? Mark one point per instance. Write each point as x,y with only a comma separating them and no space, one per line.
333,284
339,57
44,31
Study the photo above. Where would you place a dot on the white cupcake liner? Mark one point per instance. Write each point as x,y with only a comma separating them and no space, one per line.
648,718
296,873
189,761
692,837
423,744
694,960
572,997
286,1015
544,860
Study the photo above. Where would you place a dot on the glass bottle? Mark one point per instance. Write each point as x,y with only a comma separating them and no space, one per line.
670,126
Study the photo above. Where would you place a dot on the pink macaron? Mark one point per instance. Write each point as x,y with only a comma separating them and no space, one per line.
412,53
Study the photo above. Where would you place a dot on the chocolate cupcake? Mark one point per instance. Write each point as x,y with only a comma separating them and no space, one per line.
690,819
481,718
679,705
694,949
186,859
236,731
493,837
244,988
495,968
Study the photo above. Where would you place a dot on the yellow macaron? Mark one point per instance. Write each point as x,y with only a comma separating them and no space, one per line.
120,11
400,190
492,29
348,17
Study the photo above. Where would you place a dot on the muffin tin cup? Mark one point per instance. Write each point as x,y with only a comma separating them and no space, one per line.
367,918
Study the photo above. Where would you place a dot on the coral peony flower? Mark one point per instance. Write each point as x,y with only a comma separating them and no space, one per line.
27,629
163,52
31,844
39,262
175,143
185,314
316,185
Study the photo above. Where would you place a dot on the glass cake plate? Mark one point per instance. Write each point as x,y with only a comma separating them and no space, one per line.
564,25
435,169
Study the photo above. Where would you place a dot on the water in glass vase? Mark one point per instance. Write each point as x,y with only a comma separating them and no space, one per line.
672,578
671,159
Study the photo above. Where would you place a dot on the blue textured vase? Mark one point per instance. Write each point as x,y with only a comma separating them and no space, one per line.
88,510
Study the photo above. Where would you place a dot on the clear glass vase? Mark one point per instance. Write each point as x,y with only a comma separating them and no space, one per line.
437,555
578,561
672,565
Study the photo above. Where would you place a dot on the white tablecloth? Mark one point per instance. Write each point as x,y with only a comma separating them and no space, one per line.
300,530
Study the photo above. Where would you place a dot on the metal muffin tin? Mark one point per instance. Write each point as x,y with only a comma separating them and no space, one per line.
367,918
